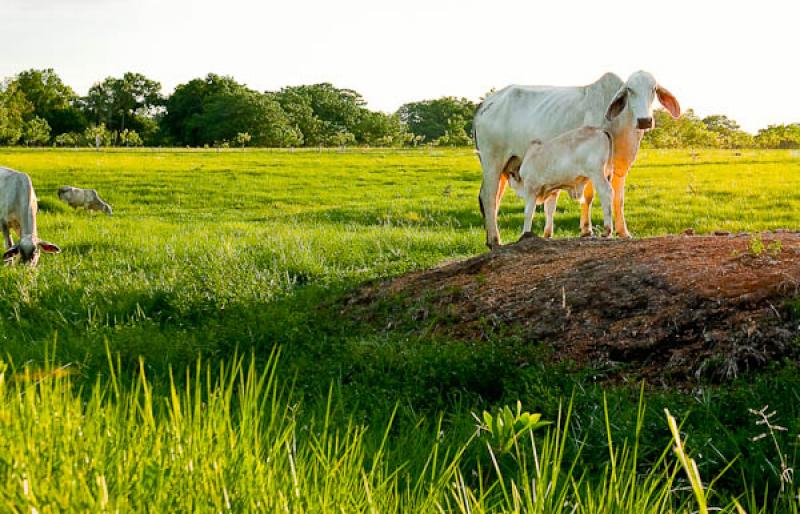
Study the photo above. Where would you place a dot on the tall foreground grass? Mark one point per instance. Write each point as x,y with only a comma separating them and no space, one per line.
241,442
209,252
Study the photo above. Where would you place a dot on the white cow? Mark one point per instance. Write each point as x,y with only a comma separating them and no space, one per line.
566,162
508,120
86,198
18,212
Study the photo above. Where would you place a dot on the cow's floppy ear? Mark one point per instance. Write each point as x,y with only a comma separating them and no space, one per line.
669,102
49,247
11,252
617,105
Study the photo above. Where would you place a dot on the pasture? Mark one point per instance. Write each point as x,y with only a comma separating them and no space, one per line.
194,341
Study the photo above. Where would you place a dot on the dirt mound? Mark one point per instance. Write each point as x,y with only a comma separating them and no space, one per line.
667,309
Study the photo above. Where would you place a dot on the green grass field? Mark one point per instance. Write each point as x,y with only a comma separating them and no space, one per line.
125,386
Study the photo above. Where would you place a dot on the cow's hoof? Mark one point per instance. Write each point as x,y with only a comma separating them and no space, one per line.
586,234
526,235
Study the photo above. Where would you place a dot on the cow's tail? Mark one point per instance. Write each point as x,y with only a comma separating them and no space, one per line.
610,161
474,130
478,151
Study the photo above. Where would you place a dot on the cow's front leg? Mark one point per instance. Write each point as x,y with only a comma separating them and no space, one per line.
586,210
618,185
492,189
7,236
487,199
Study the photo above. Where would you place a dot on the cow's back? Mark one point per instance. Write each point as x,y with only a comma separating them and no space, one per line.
16,194
507,121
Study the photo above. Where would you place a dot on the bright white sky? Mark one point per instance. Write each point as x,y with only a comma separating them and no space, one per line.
731,57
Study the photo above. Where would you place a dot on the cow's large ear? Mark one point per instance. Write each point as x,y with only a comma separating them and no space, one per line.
11,252
617,105
49,247
669,102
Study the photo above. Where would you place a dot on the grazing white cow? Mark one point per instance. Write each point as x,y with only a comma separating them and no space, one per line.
566,162
508,120
86,198
18,212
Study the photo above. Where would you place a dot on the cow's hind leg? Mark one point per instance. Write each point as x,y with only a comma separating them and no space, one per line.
586,210
495,180
487,199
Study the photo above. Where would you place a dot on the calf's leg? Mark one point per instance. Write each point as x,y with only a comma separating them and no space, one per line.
549,210
530,210
606,195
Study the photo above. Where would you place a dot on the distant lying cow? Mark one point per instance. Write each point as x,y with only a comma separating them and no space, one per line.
86,198
18,212
566,162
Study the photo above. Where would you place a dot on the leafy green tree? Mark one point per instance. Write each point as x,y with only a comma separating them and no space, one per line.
213,109
244,110
67,139
182,121
324,114
686,131
132,101
97,136
298,108
36,132
129,138
779,136
730,135
51,100
379,129
431,118
14,109
342,138
321,111
242,138
454,135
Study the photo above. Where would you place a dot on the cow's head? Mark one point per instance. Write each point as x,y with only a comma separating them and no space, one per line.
637,95
62,192
29,248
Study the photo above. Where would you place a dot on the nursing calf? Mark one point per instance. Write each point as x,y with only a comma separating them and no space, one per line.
567,162
18,213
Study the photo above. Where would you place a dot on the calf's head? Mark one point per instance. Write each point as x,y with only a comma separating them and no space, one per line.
29,248
637,95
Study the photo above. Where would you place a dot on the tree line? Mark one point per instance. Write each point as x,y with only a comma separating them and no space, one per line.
37,109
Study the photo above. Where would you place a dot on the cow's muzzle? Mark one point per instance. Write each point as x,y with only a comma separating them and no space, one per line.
644,123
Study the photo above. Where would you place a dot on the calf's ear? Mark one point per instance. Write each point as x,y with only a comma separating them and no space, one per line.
669,102
617,105
11,252
49,247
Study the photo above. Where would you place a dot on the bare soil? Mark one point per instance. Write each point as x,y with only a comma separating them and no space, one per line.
668,309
